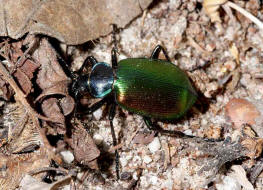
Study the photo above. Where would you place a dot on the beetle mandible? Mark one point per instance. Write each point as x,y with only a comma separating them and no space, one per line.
149,87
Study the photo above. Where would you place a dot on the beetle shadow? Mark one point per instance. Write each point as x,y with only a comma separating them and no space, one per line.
105,161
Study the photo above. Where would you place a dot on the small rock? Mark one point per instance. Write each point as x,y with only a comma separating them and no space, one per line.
228,183
97,139
126,176
67,156
154,145
147,159
241,111
97,114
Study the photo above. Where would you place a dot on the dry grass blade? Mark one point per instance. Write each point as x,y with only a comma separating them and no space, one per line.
211,8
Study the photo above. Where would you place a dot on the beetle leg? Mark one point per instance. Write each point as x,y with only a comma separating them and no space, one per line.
156,52
88,60
114,61
114,50
179,134
157,128
95,106
111,117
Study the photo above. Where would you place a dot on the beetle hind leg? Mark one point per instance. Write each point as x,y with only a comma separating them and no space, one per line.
157,128
156,52
178,134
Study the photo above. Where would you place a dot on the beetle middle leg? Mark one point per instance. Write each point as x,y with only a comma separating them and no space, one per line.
111,117
156,52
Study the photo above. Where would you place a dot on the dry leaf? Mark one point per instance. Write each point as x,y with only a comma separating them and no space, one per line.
239,174
85,150
70,21
15,166
53,81
211,8
20,133
52,110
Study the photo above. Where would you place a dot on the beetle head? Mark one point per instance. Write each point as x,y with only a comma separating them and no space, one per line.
98,83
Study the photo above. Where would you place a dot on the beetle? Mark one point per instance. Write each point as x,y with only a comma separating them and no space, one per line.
149,87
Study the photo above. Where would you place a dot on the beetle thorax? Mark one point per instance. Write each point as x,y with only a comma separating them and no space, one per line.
101,80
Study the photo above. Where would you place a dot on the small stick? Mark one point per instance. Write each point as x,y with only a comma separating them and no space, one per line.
245,13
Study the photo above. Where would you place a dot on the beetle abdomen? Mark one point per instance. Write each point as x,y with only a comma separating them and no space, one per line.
153,88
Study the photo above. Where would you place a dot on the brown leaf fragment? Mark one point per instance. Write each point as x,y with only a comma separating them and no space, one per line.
67,105
51,73
253,144
84,148
20,133
70,21
51,77
52,110
143,138
24,81
15,166
20,65
6,92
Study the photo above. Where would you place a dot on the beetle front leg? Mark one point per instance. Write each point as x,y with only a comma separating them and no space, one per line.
111,117
95,106
156,52
89,59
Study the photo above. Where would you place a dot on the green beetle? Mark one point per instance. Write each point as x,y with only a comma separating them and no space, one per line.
149,87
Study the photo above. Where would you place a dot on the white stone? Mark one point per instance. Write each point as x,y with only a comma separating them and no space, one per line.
228,183
153,180
123,161
97,114
97,139
188,132
147,159
67,156
154,145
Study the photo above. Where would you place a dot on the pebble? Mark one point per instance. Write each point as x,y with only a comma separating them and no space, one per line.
228,183
97,114
154,145
97,139
147,159
241,111
67,156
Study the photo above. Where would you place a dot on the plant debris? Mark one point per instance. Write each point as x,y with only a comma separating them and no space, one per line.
72,22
